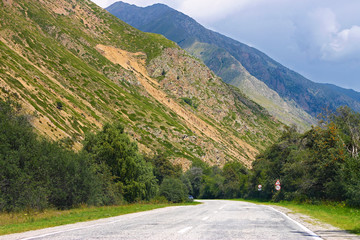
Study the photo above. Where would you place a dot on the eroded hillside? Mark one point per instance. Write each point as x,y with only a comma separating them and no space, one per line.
73,67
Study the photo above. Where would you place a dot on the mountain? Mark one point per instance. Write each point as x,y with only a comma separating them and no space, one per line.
73,66
241,65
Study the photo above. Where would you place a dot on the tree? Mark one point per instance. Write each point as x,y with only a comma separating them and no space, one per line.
131,173
36,173
349,122
212,187
174,190
310,164
235,183
195,176
164,168
351,177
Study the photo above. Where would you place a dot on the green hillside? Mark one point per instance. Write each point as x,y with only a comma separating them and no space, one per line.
73,67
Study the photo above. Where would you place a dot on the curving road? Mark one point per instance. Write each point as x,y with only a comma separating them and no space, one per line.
215,219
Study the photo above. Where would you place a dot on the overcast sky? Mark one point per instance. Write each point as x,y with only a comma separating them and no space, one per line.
317,38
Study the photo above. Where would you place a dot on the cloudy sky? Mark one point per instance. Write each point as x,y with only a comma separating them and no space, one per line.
319,39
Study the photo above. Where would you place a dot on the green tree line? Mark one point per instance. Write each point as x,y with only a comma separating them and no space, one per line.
322,164
35,173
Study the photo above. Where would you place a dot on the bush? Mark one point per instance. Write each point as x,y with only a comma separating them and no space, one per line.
173,190
59,105
351,177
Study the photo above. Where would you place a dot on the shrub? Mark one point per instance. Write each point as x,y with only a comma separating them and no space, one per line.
173,190
59,105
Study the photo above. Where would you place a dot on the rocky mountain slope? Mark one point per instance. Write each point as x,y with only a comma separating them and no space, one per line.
73,67
241,65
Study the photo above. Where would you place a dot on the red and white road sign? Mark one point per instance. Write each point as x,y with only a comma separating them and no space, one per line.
277,182
277,187
259,187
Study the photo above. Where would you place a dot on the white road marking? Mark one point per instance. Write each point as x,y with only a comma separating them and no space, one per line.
69,230
53,233
182,231
205,218
221,207
312,234
215,211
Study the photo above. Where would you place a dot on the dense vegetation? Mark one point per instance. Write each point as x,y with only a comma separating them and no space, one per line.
37,174
321,164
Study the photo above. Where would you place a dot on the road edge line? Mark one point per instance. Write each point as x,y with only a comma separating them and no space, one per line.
312,234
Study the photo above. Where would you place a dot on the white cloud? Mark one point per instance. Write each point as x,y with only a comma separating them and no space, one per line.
320,35
344,45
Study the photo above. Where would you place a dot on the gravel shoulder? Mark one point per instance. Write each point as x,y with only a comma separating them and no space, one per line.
324,230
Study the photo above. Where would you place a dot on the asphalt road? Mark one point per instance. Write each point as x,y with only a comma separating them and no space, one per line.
215,219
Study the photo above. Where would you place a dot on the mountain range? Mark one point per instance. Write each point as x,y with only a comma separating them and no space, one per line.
284,93
73,67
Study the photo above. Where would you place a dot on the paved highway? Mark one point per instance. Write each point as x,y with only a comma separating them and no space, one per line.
215,219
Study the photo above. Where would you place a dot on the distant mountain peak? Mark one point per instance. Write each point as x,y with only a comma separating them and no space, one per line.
291,86
161,5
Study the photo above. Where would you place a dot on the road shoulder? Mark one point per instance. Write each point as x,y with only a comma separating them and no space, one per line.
325,231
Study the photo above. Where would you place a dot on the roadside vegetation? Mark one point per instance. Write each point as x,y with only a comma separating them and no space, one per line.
37,174
321,165
337,214
44,184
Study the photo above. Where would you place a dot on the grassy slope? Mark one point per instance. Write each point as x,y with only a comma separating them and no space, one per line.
48,57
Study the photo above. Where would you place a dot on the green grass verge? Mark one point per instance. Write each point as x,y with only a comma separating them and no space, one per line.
26,221
336,214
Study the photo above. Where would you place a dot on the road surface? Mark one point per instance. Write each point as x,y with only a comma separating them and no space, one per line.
215,219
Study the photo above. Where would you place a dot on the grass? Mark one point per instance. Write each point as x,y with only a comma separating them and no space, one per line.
26,221
336,214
